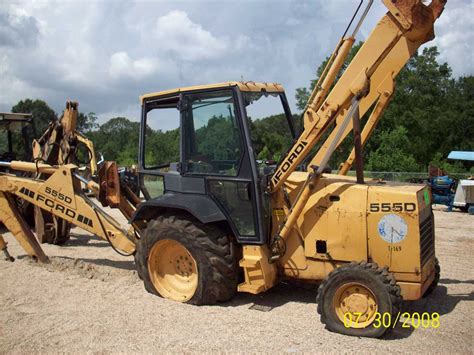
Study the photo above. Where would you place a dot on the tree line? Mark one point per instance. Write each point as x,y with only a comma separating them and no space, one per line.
431,114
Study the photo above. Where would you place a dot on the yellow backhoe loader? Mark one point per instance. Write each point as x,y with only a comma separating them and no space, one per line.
214,223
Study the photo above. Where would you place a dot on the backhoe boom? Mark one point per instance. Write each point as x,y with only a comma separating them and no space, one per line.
398,35
61,195
368,79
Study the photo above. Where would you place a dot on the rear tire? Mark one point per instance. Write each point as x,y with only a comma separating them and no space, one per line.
51,229
357,288
175,252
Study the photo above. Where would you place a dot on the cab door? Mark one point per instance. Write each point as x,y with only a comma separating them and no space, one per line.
215,146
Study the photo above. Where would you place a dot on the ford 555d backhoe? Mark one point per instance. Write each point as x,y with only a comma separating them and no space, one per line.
213,222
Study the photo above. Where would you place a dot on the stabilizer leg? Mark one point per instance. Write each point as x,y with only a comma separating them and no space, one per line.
3,248
13,220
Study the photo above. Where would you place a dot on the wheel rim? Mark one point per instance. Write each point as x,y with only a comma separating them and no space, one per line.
173,270
358,301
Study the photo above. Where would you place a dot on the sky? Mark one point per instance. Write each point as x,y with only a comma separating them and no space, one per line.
105,54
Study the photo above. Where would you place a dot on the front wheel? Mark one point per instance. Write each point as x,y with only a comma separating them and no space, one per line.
359,299
186,261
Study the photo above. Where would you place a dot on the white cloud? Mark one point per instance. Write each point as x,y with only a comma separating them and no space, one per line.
121,65
107,53
176,33
18,30
455,36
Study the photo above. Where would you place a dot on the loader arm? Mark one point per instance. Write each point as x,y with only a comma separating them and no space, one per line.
61,195
368,79
398,35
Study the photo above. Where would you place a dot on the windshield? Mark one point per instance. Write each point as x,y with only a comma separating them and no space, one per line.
271,128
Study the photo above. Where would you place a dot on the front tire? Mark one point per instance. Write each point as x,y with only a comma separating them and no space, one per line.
181,259
354,296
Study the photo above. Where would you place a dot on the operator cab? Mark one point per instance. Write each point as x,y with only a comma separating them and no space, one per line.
208,144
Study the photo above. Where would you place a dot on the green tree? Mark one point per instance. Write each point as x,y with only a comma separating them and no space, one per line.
117,139
42,113
435,111
393,154
161,147
218,140
87,122
271,137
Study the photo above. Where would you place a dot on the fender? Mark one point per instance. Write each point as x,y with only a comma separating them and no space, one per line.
201,207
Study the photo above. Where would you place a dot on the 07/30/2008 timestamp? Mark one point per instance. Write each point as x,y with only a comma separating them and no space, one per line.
407,320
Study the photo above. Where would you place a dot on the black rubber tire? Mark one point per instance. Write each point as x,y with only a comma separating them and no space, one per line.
379,280
27,211
62,228
214,251
435,282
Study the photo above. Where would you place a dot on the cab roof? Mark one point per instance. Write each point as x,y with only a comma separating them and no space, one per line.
249,86
14,121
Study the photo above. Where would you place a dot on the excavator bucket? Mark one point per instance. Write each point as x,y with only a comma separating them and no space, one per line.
416,17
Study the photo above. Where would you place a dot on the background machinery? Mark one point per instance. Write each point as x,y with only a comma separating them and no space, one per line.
213,223
452,192
21,127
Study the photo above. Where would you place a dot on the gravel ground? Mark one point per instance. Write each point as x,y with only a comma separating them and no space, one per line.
90,299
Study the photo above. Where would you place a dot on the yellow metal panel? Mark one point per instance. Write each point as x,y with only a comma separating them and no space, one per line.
412,291
342,224
316,270
60,187
336,214
294,260
393,227
243,86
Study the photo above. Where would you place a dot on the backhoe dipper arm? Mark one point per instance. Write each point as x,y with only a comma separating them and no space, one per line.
406,26
61,195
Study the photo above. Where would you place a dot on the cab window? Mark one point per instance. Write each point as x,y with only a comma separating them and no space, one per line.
212,140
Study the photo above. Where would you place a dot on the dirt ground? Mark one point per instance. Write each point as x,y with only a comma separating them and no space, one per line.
89,299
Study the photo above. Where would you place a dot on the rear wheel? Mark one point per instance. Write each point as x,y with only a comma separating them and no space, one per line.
181,259
359,299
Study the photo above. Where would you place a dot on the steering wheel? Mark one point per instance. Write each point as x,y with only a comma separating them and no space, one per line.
202,166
